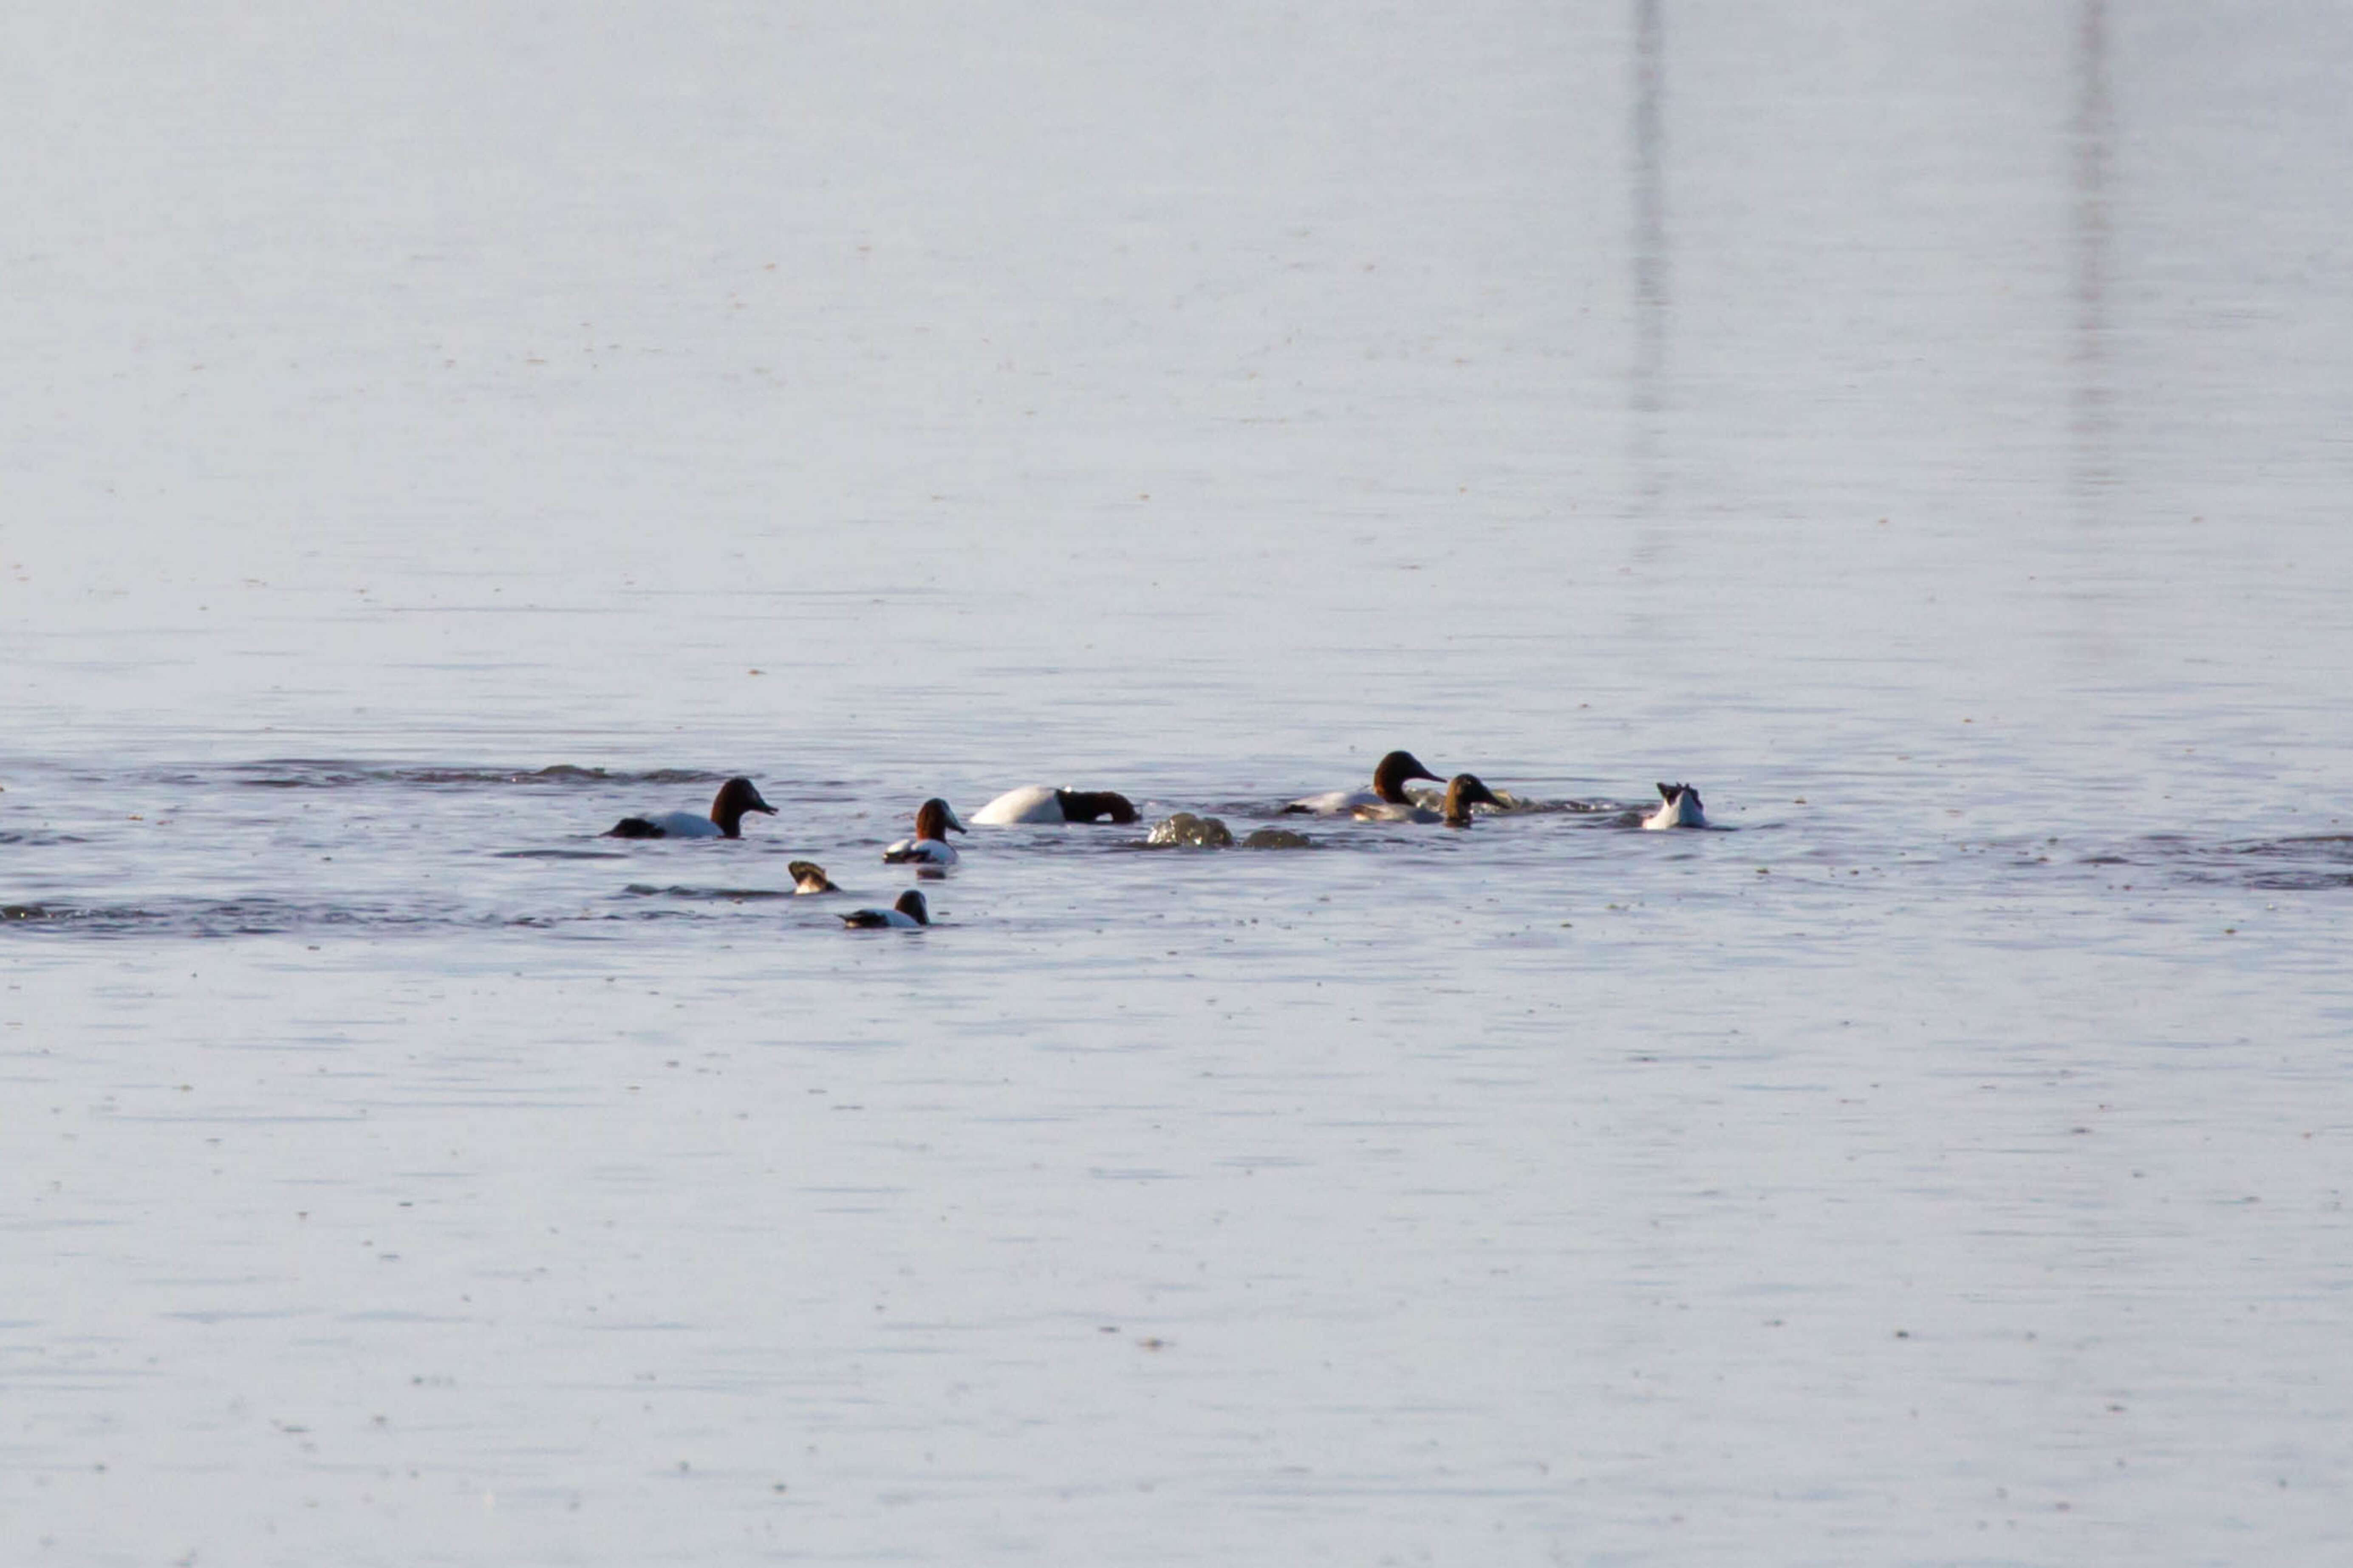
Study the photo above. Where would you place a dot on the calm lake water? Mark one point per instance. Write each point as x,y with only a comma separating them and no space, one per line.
433,436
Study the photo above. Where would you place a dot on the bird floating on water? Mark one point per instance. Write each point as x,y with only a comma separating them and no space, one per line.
908,913
933,820
1389,776
1682,808
1045,803
736,797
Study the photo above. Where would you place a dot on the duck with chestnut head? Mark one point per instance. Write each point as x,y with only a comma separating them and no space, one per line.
934,820
1389,776
736,797
1463,790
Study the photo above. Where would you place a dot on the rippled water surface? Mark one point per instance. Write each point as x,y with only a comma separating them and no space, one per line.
432,437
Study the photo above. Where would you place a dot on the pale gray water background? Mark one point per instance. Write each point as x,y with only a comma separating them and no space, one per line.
1921,427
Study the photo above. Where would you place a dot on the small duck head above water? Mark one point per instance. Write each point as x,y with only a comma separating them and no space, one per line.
1390,773
1682,808
936,819
736,797
1465,791
808,877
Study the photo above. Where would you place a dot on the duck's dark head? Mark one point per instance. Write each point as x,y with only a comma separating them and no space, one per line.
936,819
737,796
1091,804
1391,772
911,904
1465,791
808,877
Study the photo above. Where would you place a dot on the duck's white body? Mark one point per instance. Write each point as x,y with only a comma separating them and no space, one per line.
736,797
1377,810
1030,803
1680,807
1340,802
1390,775
685,825
1045,803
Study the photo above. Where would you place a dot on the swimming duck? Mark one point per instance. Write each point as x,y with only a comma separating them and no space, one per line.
808,877
1041,803
1463,790
929,847
909,912
1390,776
736,797
1682,808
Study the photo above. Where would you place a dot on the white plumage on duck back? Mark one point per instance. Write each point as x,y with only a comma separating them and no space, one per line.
1045,803
1682,808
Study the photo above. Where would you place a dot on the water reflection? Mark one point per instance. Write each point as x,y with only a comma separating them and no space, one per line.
1650,251
2091,417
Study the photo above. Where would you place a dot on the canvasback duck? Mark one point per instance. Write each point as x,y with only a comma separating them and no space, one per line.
736,797
929,847
909,912
808,877
1042,803
1682,808
1390,776
1463,790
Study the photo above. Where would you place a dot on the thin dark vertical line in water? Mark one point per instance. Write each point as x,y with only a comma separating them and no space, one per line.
1647,395
2090,414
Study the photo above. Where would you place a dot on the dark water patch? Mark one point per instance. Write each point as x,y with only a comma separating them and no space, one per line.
66,914
2311,863
38,836
2319,862
560,855
1518,806
305,772
229,917
707,895
206,918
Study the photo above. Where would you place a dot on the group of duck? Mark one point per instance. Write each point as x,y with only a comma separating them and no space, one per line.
930,853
